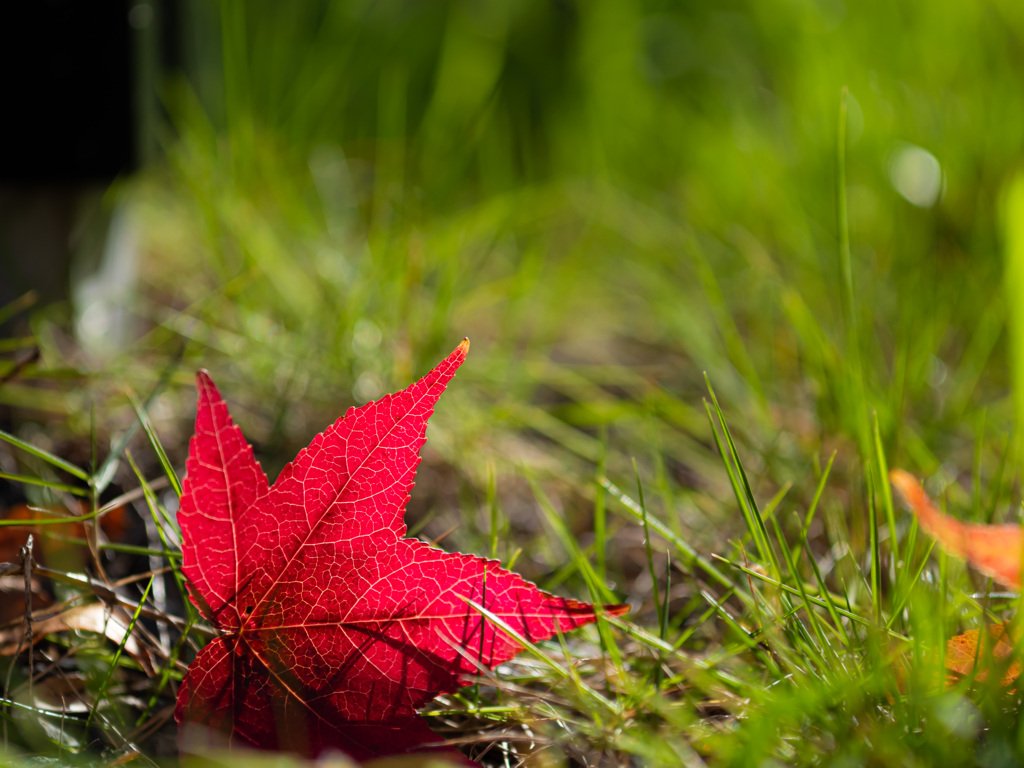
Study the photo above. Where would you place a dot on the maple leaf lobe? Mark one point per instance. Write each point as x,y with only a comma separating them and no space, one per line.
333,629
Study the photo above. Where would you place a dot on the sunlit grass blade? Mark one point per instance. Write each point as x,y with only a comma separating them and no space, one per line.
169,670
809,609
976,461
748,640
158,510
647,546
159,521
875,552
823,591
46,456
774,501
102,692
12,308
600,510
599,592
105,474
658,645
154,441
692,629
577,560
75,490
740,486
663,626
13,345
997,480
908,586
690,555
84,517
538,653
882,467
854,377
848,611
492,506
818,491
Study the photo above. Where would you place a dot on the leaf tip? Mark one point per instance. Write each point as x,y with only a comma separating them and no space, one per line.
907,485
208,392
937,524
463,346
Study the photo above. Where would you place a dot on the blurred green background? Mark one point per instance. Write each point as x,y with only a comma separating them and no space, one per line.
609,198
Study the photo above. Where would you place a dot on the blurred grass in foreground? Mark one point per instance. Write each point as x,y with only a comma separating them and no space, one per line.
611,198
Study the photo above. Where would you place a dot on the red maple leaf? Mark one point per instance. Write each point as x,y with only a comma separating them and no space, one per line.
332,628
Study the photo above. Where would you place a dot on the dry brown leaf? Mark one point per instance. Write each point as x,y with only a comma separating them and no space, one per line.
12,598
93,617
67,693
963,653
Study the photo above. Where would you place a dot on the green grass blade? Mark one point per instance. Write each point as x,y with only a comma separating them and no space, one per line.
167,672
492,506
740,486
997,480
656,644
826,599
818,491
23,302
173,557
668,592
600,510
886,491
102,692
687,633
876,555
809,610
538,653
105,473
46,456
55,520
690,555
854,378
647,546
909,586
577,560
154,442
848,612
74,490
1013,284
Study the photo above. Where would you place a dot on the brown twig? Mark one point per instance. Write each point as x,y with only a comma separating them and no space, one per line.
26,569
20,365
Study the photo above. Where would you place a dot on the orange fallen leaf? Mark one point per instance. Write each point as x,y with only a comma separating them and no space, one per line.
995,550
963,653
53,549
